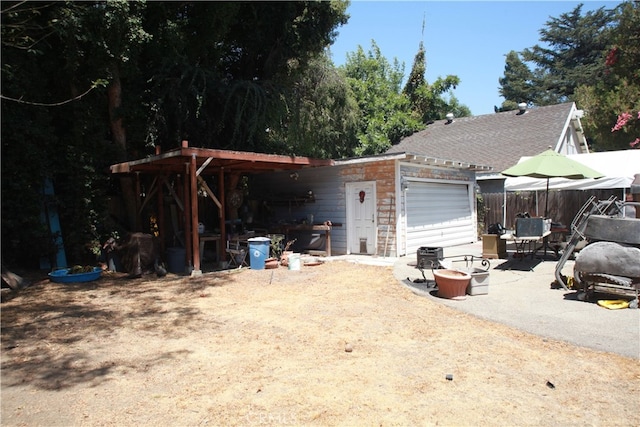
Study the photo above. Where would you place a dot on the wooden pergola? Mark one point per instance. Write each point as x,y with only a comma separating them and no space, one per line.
192,164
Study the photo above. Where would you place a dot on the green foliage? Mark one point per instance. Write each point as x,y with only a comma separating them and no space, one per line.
618,92
385,112
517,84
217,73
575,47
230,69
322,116
428,101
572,55
416,80
374,84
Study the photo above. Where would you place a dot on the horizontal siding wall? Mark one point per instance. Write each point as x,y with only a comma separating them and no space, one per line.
328,205
328,186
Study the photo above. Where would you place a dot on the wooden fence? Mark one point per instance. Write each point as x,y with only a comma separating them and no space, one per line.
563,205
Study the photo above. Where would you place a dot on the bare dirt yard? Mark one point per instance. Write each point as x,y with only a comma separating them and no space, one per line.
268,347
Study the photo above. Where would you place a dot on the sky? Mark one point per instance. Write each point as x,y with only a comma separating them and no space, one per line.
468,39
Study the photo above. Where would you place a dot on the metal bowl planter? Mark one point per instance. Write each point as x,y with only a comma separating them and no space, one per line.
65,276
452,284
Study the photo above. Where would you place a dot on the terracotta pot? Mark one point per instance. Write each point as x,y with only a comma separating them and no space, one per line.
452,284
270,263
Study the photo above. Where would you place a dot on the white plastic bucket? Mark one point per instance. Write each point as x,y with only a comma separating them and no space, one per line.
294,262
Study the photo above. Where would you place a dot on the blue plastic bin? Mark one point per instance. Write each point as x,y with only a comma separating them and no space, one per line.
258,252
176,260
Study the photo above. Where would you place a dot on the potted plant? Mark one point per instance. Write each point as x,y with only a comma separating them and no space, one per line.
275,247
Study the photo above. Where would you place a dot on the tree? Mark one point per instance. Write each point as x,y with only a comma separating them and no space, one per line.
517,84
575,46
322,115
214,72
613,102
385,112
427,101
416,80
46,137
230,68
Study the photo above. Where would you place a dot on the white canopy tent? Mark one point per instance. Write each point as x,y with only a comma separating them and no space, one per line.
618,167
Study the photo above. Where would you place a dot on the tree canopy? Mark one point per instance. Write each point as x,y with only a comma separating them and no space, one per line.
613,102
389,112
590,59
428,101
384,112
221,74
575,47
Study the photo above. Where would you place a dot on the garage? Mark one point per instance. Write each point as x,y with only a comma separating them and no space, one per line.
439,214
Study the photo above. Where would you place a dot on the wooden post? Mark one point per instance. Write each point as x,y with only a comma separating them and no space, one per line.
223,230
138,224
186,201
195,237
160,217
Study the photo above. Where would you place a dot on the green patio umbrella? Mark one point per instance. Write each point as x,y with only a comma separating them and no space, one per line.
550,164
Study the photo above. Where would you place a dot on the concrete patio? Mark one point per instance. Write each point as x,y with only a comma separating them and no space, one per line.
523,294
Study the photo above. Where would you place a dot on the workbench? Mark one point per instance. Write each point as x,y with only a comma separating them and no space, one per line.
289,229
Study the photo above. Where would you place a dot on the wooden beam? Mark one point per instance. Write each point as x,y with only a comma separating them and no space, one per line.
204,166
223,230
138,224
152,191
195,236
160,216
238,160
209,192
175,196
186,195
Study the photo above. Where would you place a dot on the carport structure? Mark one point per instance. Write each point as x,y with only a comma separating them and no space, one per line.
188,165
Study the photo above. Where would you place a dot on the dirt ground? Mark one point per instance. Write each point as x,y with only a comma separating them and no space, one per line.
268,347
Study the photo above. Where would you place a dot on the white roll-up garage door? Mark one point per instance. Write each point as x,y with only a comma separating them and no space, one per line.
438,214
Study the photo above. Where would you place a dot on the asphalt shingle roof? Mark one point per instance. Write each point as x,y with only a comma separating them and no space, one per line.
497,140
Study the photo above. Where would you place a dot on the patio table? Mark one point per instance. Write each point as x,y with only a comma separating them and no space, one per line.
525,245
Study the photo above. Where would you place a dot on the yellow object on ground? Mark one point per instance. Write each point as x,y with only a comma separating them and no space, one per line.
570,282
613,304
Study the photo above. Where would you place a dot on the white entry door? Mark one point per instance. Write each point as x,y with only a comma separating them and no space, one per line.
361,217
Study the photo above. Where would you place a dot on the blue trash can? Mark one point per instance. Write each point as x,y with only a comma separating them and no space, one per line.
176,260
258,252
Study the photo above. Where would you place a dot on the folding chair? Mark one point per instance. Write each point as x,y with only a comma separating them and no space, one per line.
237,253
